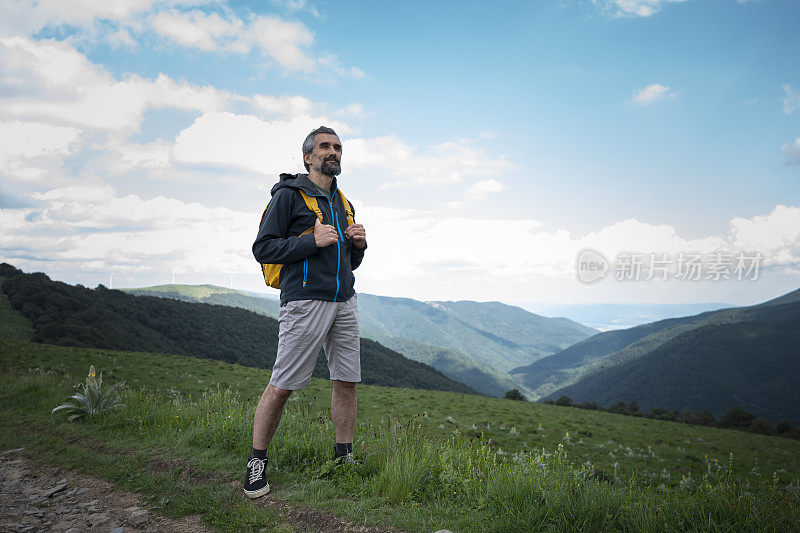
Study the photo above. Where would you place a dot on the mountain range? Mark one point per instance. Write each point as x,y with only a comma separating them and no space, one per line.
746,356
474,343
70,315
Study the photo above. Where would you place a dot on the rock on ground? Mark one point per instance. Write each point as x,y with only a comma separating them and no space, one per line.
46,499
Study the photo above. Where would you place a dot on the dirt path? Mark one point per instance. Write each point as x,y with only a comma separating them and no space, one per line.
311,519
48,499
34,498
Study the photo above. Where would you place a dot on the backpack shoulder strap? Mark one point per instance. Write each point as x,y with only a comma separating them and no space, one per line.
347,209
312,204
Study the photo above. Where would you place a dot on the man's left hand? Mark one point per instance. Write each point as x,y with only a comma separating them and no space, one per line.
357,233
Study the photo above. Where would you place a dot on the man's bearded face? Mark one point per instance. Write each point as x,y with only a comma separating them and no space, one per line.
327,155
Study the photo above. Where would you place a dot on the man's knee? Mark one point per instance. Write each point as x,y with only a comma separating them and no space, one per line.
344,385
274,394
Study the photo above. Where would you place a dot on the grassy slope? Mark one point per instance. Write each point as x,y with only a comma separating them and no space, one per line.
176,429
592,434
12,324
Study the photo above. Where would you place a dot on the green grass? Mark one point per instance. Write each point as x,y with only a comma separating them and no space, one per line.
193,291
12,324
424,462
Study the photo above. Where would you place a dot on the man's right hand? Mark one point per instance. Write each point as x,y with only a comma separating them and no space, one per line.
324,235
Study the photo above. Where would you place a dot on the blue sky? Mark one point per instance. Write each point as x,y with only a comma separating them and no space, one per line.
485,145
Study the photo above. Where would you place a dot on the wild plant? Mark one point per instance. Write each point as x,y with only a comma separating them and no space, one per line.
91,398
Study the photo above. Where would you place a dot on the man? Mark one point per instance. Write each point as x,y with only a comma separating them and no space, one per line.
318,302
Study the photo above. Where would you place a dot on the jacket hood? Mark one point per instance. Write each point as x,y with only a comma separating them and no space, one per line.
298,181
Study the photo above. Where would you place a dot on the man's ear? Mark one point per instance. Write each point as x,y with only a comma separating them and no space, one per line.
307,159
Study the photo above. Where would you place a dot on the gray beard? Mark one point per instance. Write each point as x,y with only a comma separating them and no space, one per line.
330,168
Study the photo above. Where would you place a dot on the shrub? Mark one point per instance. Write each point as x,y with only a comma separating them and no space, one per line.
91,399
737,418
761,425
515,394
659,413
564,400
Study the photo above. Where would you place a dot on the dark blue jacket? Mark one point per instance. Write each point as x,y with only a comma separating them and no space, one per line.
308,273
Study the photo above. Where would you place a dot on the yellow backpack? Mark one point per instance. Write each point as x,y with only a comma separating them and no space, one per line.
272,272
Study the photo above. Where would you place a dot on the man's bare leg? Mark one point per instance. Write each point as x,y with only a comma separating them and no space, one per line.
344,404
268,415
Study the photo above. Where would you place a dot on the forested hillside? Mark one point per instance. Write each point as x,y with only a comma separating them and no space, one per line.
102,318
753,365
612,348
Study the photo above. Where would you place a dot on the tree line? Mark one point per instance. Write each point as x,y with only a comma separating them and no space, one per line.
733,418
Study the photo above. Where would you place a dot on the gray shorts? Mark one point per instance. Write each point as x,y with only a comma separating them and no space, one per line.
304,326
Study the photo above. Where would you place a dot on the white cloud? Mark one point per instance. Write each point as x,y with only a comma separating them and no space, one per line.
357,73
50,80
287,43
515,259
297,5
30,139
290,106
269,147
51,84
92,228
196,29
652,93
24,17
121,38
126,156
248,142
478,191
632,8
792,151
29,151
777,233
791,99
283,41
448,162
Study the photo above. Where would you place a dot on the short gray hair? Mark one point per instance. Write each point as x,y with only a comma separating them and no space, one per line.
309,144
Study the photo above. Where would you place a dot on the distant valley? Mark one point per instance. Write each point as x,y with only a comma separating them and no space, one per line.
471,342
607,317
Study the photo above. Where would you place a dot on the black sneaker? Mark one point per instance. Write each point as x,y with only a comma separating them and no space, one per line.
344,459
255,480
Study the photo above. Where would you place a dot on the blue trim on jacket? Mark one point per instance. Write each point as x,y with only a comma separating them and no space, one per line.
308,272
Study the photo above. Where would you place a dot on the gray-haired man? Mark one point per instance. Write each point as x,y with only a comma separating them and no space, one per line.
318,301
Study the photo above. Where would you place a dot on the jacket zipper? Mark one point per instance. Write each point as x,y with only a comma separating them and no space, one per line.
338,245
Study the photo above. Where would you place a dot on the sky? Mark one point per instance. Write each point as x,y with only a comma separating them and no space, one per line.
502,151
